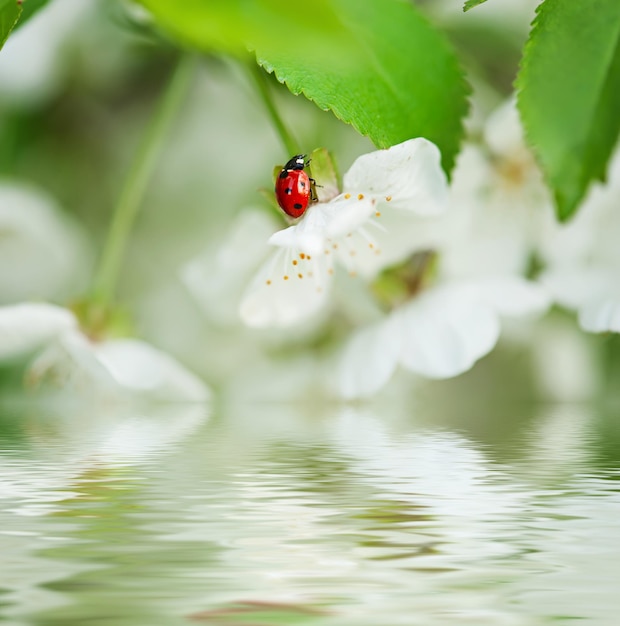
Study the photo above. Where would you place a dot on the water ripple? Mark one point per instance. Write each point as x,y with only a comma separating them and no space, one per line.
171,519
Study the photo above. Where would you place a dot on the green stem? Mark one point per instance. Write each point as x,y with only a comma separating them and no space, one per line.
260,81
135,184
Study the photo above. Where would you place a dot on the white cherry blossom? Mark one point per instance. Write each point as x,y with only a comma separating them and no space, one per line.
38,250
499,197
485,242
65,359
583,258
43,253
384,212
217,277
441,332
25,328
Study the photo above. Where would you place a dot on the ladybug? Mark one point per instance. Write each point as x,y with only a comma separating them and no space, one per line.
294,188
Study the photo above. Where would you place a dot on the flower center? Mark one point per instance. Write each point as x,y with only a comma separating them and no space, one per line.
514,170
400,283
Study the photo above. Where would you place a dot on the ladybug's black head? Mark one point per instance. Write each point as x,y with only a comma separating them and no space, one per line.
298,162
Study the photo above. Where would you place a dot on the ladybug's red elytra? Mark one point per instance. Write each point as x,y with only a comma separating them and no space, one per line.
294,187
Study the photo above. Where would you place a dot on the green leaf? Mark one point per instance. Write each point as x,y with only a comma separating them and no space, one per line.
569,94
15,13
234,26
470,4
10,10
402,80
30,7
377,65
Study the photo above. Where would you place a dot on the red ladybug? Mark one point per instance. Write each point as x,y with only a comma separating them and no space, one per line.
294,187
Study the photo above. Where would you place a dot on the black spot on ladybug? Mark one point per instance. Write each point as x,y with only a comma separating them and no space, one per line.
302,184
288,190
297,205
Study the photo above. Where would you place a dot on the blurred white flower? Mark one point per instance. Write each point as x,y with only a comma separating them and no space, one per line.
441,332
499,198
583,258
25,328
66,359
381,216
483,250
43,253
217,277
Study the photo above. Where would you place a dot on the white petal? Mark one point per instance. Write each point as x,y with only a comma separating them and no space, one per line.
347,214
322,222
140,368
218,277
572,242
369,360
309,234
25,328
386,239
42,252
364,239
575,287
409,173
445,331
471,174
503,132
513,295
494,222
113,370
601,315
69,364
288,288
592,235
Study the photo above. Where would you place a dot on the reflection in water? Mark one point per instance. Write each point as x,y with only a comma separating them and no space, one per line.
166,518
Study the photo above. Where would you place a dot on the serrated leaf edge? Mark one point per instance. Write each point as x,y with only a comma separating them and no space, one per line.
470,4
19,14
562,215
448,163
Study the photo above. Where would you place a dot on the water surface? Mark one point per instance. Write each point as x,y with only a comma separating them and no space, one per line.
343,516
